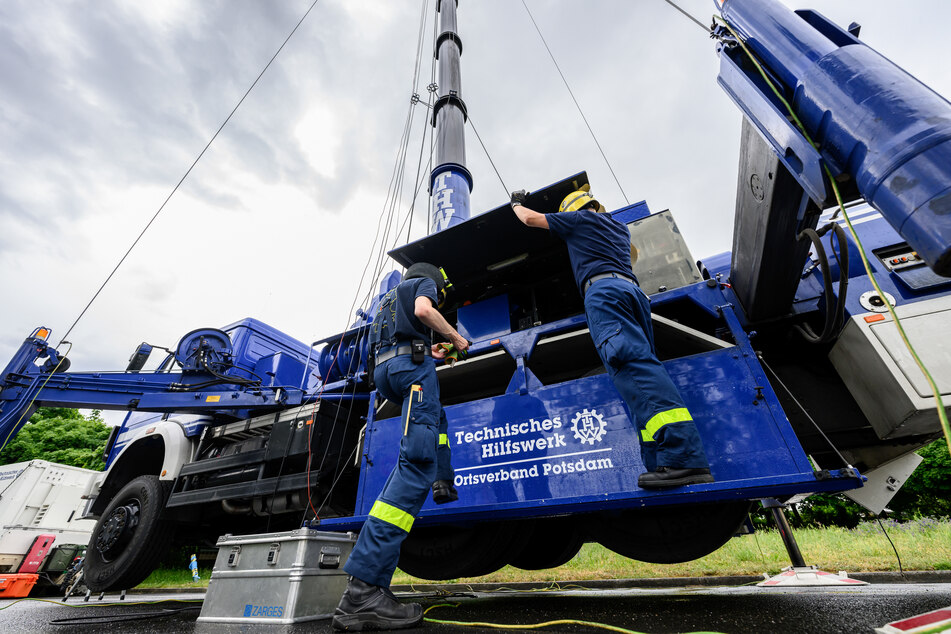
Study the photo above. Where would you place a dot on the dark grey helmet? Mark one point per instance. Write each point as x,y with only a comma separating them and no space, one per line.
437,275
424,269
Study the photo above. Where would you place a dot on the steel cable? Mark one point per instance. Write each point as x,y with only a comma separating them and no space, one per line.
690,17
378,249
190,168
577,105
803,409
488,156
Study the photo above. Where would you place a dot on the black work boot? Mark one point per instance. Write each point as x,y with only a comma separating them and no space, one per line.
444,492
367,607
665,477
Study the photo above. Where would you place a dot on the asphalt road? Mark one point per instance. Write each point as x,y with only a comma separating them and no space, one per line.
656,610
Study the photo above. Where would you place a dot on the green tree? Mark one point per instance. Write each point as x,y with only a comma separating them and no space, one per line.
61,435
927,492
831,509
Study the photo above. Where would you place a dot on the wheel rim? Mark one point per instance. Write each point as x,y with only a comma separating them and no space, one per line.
118,529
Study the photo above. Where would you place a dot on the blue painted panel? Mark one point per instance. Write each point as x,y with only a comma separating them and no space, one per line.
870,118
637,211
575,441
253,340
483,320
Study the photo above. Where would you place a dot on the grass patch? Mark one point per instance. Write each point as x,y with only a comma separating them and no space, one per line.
922,545
173,578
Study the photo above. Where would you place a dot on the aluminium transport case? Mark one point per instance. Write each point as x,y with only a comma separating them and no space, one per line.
286,577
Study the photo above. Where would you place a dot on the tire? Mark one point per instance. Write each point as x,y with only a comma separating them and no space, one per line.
552,543
440,553
130,536
669,535
506,542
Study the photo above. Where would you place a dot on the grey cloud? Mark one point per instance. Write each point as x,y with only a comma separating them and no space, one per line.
97,100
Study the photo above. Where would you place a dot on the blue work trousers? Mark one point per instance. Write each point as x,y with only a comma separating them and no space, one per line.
423,422
619,318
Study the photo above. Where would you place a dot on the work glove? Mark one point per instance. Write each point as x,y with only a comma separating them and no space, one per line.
519,197
452,353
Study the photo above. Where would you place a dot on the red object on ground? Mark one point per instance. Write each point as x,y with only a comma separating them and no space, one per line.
37,553
928,622
17,585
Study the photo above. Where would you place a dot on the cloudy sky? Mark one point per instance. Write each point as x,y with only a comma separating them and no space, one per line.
105,104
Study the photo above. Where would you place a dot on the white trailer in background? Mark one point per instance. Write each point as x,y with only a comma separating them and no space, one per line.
40,498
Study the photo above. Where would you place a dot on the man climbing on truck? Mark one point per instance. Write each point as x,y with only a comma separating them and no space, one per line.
618,313
404,374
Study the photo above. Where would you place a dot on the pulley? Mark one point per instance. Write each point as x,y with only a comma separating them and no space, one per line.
204,350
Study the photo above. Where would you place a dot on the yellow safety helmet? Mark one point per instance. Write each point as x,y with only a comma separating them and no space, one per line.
578,199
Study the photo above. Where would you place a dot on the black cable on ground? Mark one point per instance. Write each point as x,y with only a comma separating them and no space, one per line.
134,616
95,605
762,555
897,556
190,168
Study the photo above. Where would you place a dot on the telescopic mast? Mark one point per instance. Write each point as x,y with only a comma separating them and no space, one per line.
450,182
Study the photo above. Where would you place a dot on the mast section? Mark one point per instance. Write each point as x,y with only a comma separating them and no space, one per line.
450,182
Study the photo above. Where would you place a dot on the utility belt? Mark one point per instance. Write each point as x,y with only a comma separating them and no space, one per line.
417,349
604,276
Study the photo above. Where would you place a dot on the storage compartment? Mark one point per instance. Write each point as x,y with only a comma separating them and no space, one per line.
287,577
259,466
880,373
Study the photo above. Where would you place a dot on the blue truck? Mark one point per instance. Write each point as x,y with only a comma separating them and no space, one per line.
784,350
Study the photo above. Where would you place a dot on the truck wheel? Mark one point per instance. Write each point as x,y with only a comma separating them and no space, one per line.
439,553
550,544
129,537
669,535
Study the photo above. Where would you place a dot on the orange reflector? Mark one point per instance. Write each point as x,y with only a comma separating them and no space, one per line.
494,342
213,399
310,422
42,333
164,471
873,318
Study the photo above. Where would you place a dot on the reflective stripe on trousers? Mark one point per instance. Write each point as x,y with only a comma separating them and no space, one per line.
414,386
619,319
392,515
677,415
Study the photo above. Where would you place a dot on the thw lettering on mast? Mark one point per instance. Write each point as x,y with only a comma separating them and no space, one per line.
443,208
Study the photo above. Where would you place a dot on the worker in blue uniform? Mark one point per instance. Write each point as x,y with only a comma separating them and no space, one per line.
619,319
404,374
